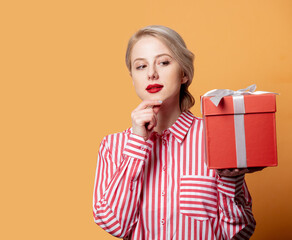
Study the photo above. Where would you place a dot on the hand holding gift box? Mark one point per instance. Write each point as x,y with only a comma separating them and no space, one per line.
240,128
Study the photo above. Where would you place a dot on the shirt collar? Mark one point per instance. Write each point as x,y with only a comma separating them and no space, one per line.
180,128
182,125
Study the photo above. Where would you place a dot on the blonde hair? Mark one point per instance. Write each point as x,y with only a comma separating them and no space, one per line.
182,55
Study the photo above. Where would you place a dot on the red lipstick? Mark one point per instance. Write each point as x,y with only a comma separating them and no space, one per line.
154,88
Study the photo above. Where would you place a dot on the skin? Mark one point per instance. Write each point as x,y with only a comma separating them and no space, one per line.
153,63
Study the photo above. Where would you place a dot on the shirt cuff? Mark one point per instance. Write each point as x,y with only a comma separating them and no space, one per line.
137,147
230,186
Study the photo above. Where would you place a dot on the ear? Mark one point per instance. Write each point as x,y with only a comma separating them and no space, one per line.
184,78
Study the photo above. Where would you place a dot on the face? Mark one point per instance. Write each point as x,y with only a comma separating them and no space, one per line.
156,74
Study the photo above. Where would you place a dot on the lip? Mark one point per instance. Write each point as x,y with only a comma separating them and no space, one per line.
154,88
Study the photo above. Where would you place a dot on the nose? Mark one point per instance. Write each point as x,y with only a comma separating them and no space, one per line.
152,73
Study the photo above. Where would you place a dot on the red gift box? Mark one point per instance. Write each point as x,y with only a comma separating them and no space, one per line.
241,131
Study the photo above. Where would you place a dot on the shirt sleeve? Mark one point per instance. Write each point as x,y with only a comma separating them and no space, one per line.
235,208
116,196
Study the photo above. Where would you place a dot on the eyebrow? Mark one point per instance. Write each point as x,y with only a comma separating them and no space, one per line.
159,55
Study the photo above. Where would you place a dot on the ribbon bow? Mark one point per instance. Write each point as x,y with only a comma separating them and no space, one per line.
218,94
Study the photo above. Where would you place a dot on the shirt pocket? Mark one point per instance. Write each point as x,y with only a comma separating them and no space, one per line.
198,197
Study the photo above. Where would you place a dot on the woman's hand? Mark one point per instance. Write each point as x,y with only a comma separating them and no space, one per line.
234,172
144,118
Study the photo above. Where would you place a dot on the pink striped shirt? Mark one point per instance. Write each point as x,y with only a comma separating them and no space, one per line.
162,189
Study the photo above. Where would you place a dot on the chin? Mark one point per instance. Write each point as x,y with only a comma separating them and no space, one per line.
153,97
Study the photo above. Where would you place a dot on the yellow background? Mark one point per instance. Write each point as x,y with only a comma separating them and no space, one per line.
64,85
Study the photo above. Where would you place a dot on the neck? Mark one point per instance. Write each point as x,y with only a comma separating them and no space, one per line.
167,115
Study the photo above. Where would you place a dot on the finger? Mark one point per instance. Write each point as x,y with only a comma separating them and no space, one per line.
238,171
141,112
145,118
241,171
232,172
156,108
223,172
150,127
145,115
255,169
148,103
152,123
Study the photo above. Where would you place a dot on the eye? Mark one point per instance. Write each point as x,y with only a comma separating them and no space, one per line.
164,63
140,67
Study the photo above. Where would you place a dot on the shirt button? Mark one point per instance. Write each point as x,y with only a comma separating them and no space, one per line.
221,184
164,168
163,193
142,148
163,141
162,221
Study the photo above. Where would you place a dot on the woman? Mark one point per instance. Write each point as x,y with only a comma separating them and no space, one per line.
151,180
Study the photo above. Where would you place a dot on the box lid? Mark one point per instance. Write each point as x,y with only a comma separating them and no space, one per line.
253,104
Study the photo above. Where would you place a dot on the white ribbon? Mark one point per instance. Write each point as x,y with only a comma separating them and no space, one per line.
218,94
239,111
